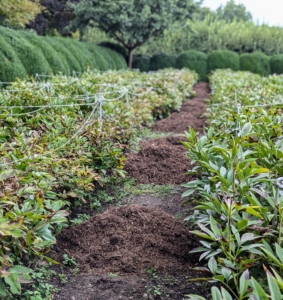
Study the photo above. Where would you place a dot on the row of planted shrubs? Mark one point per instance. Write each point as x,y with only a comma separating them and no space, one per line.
204,64
24,53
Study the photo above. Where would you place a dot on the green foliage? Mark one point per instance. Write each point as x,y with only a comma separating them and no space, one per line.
31,57
276,64
115,60
213,34
141,62
115,47
194,60
233,12
97,56
71,56
223,59
131,23
256,63
161,61
240,212
19,13
10,65
54,58
81,54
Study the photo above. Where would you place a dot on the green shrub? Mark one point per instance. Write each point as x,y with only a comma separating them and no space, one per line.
31,57
54,58
160,61
81,54
276,64
256,62
117,61
10,65
194,60
69,59
223,59
97,57
141,62
115,47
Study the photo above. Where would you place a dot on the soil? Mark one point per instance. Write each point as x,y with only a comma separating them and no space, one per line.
140,249
160,161
190,115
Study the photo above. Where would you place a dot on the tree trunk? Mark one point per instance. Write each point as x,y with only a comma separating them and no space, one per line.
130,58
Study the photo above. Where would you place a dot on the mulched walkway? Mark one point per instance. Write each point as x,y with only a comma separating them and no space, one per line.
164,160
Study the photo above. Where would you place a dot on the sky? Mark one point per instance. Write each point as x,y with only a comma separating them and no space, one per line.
269,12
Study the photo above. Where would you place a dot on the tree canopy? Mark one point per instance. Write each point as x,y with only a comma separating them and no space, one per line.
131,22
18,12
232,11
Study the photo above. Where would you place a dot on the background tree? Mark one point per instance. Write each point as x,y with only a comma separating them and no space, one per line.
131,22
55,16
18,12
232,11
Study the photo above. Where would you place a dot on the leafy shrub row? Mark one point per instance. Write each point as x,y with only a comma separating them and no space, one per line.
25,53
204,64
238,161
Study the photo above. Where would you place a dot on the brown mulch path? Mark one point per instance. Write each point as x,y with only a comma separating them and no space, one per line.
190,115
129,240
163,160
160,161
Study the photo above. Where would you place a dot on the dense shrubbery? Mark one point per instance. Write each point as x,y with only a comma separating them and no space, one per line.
256,63
223,59
141,62
238,160
10,64
276,64
194,60
115,47
31,57
210,35
161,61
24,52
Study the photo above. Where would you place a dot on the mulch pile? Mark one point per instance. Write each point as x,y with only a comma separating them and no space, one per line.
190,115
164,160
129,240
160,161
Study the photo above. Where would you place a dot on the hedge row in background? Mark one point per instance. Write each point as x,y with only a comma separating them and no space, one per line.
194,60
24,53
204,64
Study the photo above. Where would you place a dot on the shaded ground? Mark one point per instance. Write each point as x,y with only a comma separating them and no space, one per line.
139,251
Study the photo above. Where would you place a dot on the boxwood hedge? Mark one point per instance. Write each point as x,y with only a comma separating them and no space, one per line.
194,60
276,64
223,59
256,62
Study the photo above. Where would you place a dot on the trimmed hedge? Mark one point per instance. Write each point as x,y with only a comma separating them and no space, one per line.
141,62
31,57
115,47
194,60
256,62
223,59
54,58
25,53
276,64
161,61
11,66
